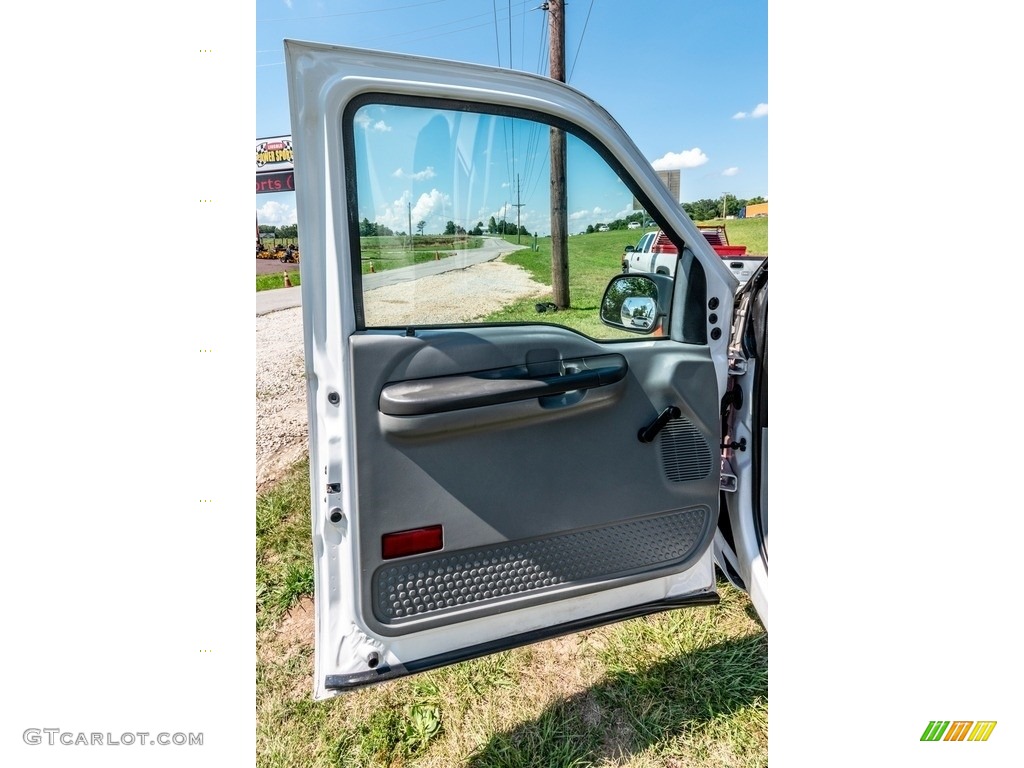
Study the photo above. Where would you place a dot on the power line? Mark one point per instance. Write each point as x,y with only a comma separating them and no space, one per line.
418,36
580,45
497,44
353,13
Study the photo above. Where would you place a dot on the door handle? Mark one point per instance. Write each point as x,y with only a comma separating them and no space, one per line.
421,397
648,433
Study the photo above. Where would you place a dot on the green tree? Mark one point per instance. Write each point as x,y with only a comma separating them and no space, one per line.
704,209
289,230
492,226
420,225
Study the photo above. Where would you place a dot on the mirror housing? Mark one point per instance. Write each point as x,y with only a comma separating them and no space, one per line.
637,303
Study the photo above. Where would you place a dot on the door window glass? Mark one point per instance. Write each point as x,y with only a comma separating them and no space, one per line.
455,221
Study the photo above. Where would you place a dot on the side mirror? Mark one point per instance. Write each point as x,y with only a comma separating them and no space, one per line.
637,303
630,248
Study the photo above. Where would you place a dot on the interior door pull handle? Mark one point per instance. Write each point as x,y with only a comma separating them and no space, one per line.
648,433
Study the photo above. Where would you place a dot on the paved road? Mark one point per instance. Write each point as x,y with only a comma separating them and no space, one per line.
493,247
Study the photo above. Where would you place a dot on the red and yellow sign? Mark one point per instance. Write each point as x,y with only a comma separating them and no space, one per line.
274,154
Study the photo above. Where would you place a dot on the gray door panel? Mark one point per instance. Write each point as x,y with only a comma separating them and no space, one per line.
513,484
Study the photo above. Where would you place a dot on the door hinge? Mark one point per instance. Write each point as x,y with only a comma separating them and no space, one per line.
737,366
728,481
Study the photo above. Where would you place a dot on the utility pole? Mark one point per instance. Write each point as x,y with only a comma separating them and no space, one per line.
559,214
518,205
410,223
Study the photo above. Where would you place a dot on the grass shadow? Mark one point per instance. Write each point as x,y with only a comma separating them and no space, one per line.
683,705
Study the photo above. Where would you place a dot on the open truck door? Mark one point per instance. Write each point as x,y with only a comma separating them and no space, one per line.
477,484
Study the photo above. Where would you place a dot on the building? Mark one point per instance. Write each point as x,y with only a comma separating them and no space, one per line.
756,210
671,180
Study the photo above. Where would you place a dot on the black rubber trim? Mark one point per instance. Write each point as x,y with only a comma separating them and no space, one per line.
384,673
421,397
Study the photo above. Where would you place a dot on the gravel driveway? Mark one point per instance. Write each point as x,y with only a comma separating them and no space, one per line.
281,419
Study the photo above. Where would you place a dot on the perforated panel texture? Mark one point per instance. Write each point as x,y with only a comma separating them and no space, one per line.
684,451
449,581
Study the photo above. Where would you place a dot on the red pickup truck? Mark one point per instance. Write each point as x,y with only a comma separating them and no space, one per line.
656,253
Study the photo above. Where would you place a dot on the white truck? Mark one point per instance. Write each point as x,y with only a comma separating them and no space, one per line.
656,253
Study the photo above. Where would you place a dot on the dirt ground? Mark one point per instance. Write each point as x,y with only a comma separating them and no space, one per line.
273,266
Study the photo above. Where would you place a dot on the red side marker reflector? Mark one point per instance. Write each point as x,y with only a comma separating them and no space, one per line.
411,542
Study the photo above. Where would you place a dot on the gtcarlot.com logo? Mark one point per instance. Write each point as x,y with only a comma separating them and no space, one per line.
55,736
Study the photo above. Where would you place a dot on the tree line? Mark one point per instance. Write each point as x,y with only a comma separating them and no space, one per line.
289,230
703,210
699,210
369,228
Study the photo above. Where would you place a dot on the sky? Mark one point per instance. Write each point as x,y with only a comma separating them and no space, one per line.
434,166
688,81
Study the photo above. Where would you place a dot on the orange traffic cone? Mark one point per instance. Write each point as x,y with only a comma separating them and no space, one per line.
287,281
371,266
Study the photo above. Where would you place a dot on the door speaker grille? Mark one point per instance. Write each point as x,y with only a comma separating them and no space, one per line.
684,451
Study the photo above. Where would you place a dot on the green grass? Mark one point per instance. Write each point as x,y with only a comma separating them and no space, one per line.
276,280
752,233
683,688
593,261
284,565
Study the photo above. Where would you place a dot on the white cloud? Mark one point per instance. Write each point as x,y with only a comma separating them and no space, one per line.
585,214
426,173
688,158
427,204
731,171
761,110
276,214
396,216
364,120
288,3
